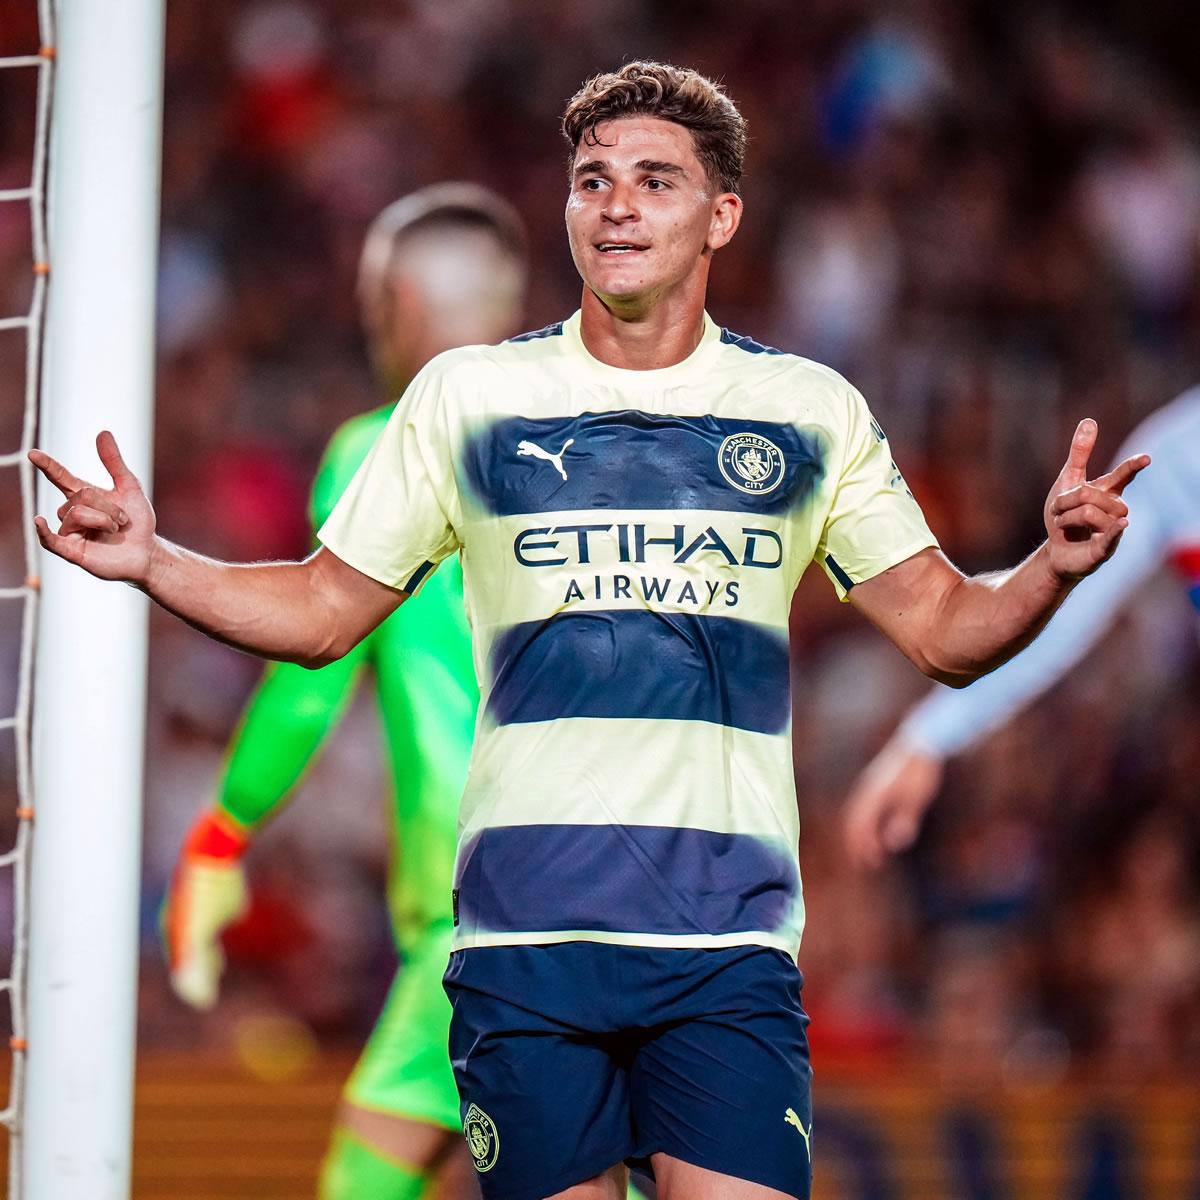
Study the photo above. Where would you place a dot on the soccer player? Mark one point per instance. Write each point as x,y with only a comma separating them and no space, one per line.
441,268
889,799
634,493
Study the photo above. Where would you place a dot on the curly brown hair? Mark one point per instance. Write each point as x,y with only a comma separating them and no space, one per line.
676,94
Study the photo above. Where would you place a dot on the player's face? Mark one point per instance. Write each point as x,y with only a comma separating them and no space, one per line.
642,216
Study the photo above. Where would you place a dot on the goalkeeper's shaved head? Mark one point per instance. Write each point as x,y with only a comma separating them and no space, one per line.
442,210
445,266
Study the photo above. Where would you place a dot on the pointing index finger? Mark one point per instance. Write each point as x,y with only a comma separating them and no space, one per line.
1119,478
55,472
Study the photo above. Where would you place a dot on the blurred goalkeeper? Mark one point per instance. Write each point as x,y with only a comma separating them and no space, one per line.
443,267
889,799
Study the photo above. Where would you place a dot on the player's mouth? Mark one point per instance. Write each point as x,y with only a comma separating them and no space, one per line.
621,248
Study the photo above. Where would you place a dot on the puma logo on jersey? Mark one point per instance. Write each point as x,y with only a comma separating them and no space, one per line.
532,448
791,1118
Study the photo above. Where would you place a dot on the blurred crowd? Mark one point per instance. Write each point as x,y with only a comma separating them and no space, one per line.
985,214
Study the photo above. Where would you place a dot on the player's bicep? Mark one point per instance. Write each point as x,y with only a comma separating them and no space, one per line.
355,603
905,601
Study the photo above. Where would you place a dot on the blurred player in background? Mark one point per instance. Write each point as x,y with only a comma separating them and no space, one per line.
890,798
443,267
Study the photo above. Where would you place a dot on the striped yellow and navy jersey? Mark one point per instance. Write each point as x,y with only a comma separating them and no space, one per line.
630,543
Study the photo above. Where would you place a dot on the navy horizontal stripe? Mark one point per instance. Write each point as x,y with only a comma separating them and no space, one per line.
624,879
633,663
632,460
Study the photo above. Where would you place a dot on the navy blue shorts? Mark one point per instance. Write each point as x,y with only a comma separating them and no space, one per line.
574,1057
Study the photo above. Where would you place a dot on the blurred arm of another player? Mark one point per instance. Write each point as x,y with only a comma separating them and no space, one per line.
287,719
889,799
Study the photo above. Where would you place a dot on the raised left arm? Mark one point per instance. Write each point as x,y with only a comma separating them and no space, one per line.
956,628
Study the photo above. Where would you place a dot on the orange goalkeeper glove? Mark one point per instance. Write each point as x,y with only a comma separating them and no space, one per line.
207,893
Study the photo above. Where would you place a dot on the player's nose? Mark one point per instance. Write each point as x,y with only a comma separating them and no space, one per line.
621,205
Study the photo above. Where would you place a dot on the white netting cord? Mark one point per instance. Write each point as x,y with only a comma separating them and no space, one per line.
17,858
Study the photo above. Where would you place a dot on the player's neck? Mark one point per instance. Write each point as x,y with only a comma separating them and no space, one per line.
660,336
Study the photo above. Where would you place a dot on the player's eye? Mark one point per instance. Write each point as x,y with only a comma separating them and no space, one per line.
657,185
591,185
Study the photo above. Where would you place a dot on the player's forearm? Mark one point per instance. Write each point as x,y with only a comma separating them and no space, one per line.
983,620
273,610
946,723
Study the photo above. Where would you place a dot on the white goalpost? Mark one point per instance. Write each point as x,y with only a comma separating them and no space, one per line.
91,659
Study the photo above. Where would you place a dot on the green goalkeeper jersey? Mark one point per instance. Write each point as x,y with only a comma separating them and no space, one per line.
420,660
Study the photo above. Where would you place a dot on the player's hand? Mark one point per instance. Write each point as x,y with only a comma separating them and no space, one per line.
108,531
207,893
888,802
1085,519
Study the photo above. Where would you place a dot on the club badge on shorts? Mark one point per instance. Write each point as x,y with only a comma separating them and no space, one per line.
483,1140
751,463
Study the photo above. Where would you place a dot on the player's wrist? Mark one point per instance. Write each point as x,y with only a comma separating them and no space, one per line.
1056,576
157,565
217,838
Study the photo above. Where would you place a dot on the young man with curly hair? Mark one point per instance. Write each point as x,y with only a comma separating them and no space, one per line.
634,493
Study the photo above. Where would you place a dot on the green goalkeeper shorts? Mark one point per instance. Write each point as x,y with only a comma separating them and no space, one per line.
405,1070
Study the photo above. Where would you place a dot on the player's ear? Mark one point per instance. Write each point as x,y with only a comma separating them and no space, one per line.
406,316
726,216
393,317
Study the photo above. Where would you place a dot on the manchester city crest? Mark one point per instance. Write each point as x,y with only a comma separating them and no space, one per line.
751,463
483,1140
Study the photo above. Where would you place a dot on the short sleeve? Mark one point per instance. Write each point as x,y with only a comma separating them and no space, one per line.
394,522
873,522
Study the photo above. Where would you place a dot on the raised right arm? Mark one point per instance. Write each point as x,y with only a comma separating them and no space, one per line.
309,612
888,801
